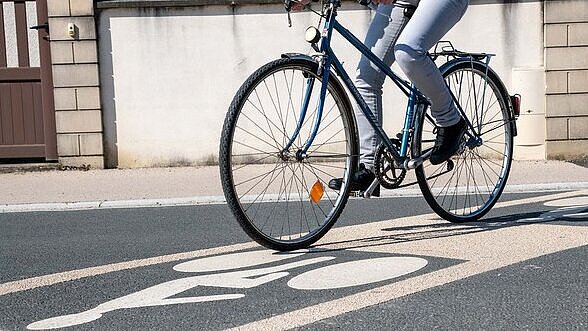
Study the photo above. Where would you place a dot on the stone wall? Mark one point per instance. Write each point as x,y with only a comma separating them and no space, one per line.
169,71
83,120
76,83
566,66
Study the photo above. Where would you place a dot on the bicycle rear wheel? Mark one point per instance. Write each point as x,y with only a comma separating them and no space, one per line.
466,187
269,189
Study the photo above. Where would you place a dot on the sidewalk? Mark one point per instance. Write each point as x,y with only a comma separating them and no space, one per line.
189,185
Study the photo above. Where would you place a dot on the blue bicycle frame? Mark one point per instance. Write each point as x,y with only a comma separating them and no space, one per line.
329,59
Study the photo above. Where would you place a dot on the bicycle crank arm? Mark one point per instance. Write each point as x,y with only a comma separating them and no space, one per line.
450,166
367,193
414,163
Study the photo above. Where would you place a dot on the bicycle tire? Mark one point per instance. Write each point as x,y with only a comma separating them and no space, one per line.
484,169
278,207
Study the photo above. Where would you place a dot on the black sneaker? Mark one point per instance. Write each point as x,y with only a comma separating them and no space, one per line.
447,142
360,181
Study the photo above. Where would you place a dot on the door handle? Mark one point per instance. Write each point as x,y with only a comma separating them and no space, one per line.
42,26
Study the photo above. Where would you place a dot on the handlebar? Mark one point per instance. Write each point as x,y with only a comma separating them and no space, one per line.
408,8
367,3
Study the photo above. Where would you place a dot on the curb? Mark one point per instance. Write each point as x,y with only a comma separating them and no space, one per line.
213,200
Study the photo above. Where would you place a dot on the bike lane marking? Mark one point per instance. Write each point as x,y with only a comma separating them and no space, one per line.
341,275
60,277
51,279
482,251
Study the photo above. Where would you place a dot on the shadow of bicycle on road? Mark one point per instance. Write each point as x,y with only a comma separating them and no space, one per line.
572,215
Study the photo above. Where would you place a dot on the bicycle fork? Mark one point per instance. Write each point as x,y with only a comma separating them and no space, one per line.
324,71
302,152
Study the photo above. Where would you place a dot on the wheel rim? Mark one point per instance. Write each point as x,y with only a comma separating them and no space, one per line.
468,185
273,188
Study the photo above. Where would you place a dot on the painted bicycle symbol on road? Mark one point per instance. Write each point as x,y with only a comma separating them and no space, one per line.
246,270
219,271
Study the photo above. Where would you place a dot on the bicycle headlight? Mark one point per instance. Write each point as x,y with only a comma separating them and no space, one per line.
312,35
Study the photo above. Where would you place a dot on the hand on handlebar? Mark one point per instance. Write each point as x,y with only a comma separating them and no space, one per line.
384,2
298,5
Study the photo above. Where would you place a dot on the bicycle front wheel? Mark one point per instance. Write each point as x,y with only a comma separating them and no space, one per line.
281,199
466,187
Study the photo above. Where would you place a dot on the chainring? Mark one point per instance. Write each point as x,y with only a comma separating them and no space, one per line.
387,172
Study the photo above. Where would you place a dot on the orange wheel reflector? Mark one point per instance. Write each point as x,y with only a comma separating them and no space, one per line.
316,192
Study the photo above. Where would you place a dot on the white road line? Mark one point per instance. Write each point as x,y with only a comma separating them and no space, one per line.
501,253
357,230
46,280
483,251
210,200
111,204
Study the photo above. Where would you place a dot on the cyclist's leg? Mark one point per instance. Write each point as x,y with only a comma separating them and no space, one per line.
430,22
384,29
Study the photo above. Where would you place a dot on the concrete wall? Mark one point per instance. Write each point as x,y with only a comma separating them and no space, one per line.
566,64
75,78
168,75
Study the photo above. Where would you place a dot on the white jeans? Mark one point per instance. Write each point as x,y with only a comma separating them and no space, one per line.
393,37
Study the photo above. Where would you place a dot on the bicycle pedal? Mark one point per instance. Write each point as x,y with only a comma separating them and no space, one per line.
363,194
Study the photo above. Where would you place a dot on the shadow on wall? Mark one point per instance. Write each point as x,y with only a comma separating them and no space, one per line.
107,95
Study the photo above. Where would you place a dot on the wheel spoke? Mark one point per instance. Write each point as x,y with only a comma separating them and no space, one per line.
270,185
470,188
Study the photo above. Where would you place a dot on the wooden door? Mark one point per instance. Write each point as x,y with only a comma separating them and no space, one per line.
27,114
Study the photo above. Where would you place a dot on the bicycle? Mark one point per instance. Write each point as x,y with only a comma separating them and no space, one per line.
285,136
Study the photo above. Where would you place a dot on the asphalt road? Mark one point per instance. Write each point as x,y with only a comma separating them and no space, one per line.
387,264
